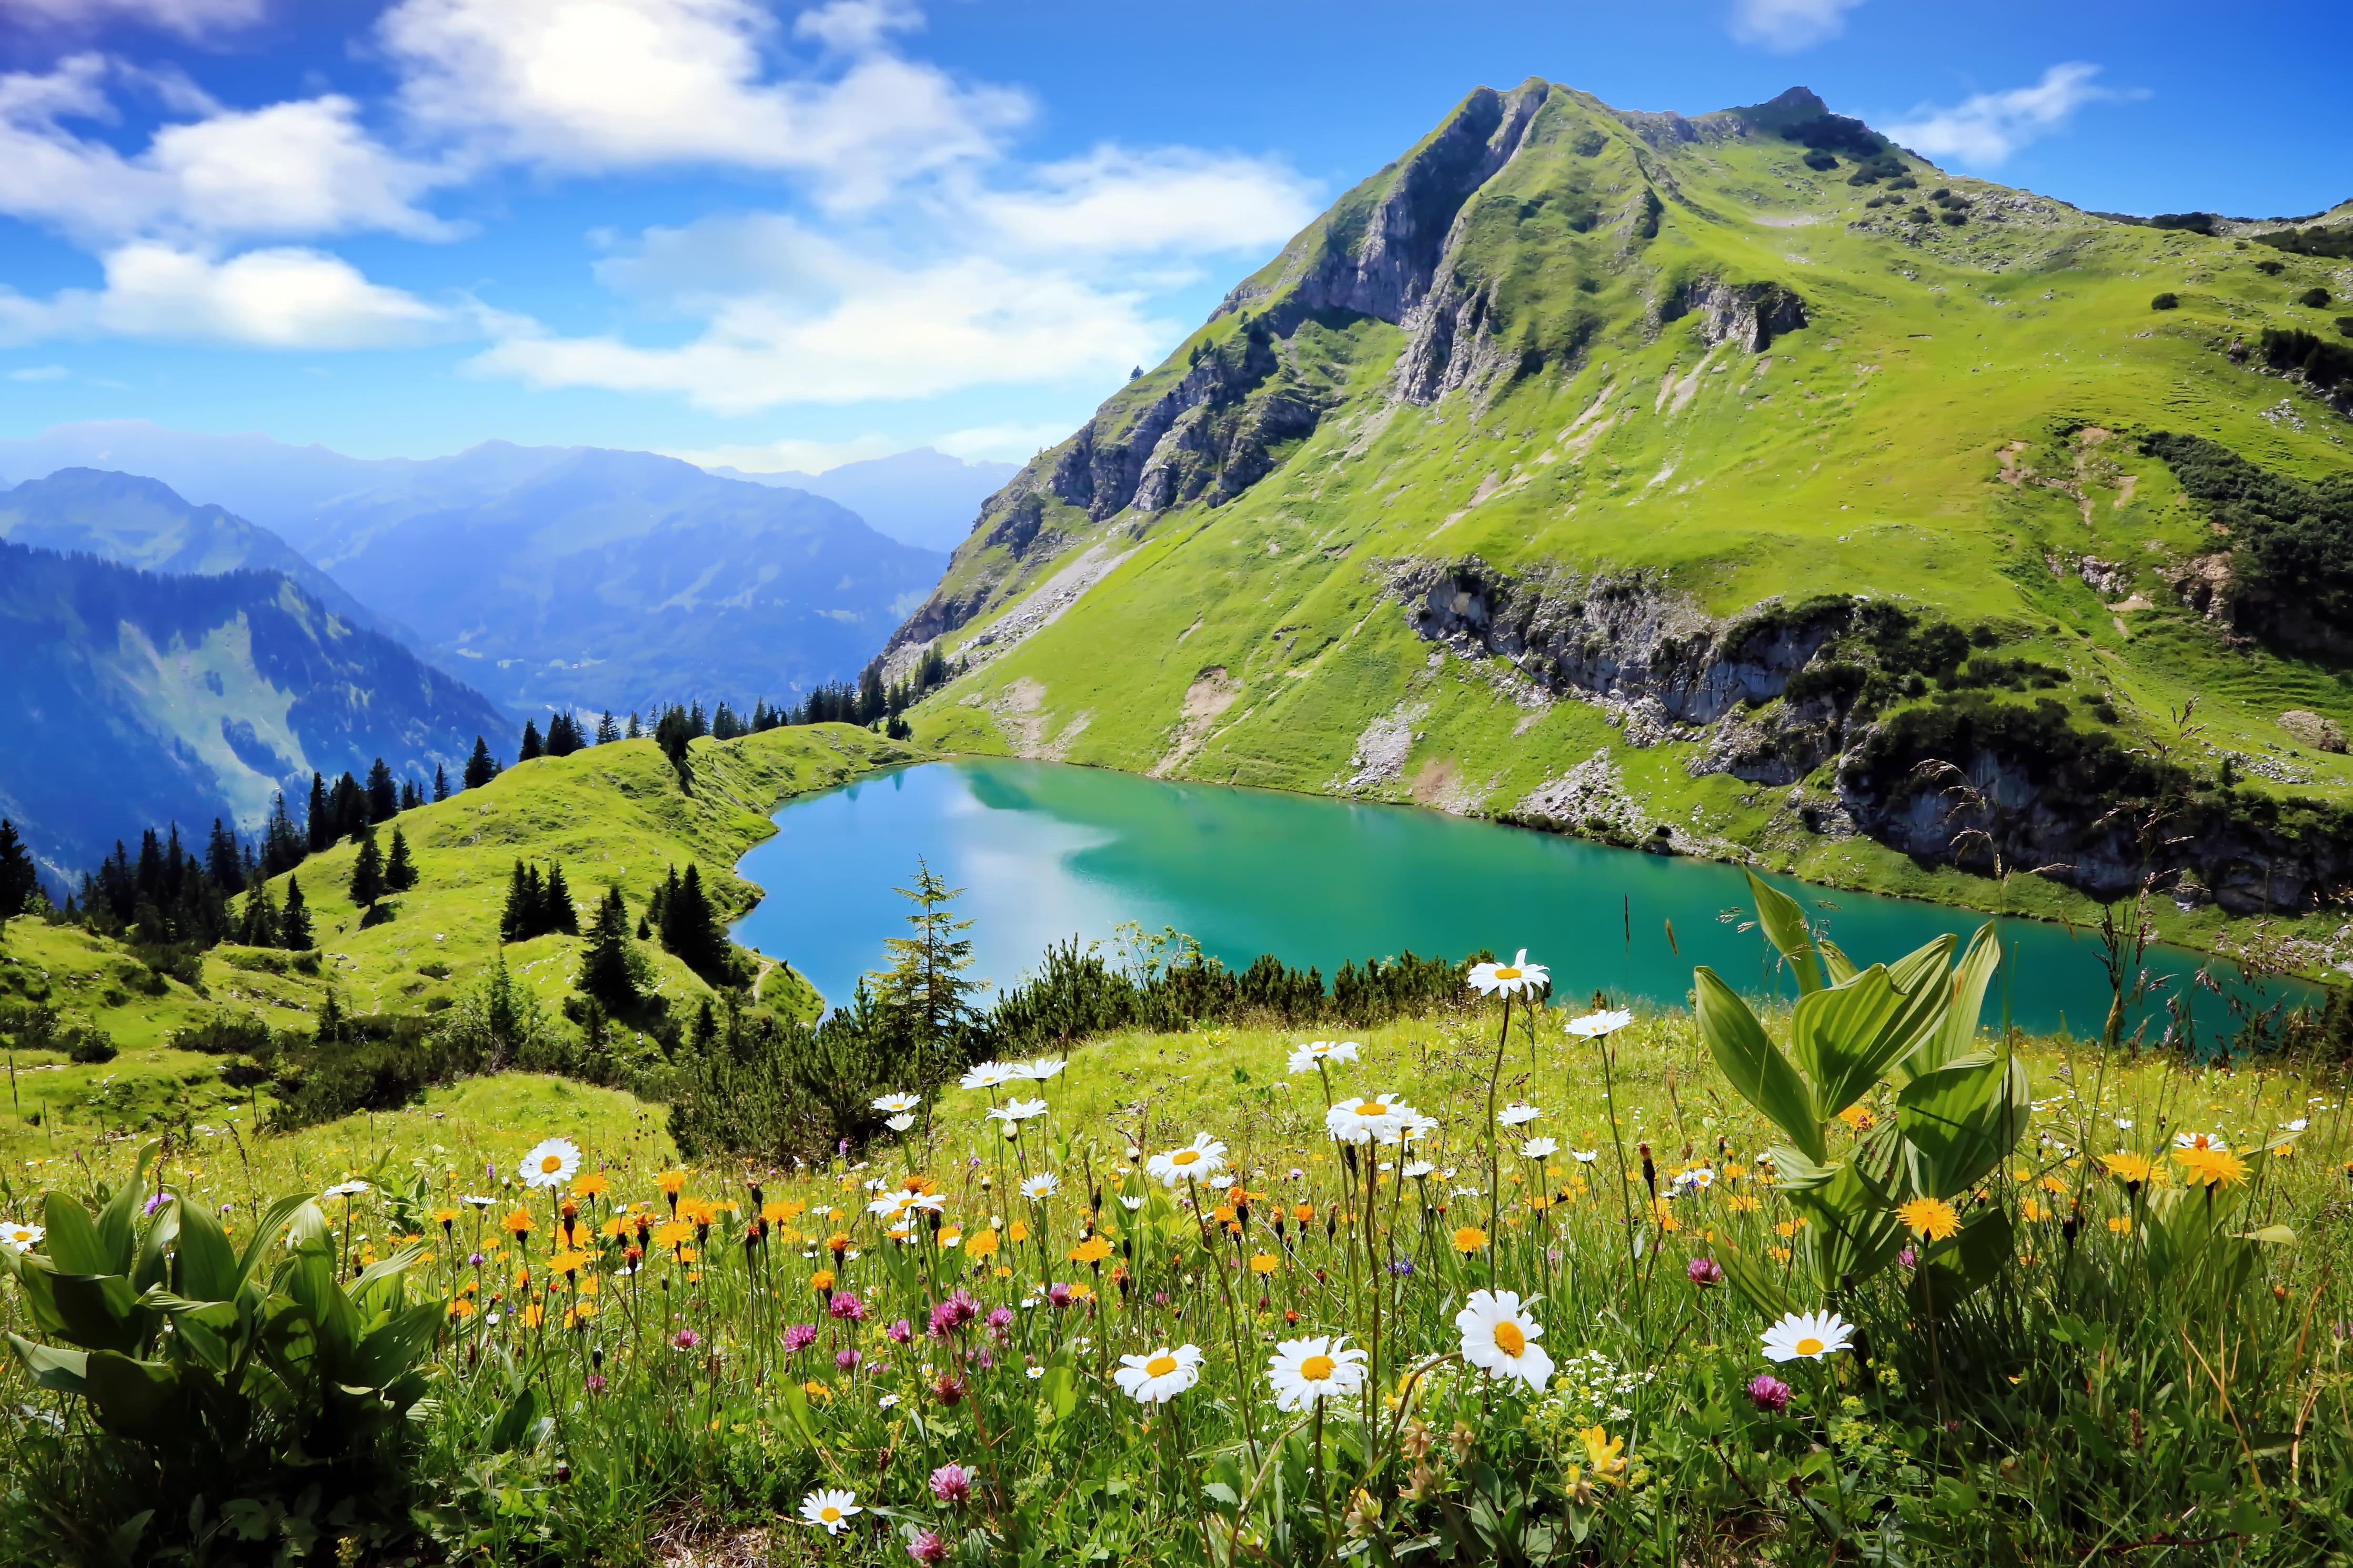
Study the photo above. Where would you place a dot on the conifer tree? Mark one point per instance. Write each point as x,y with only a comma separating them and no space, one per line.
530,748
20,879
368,871
411,797
635,730
440,782
383,794
607,731
606,971
520,920
224,864
927,986
321,820
259,925
283,844
689,925
481,767
556,912
399,870
331,1020
294,920
351,808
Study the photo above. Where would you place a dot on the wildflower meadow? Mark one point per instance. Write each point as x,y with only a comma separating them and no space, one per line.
1867,1279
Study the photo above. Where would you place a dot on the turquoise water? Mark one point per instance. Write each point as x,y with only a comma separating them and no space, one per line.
1045,852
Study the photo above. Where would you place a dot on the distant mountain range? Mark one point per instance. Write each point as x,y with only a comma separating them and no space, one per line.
131,698
921,497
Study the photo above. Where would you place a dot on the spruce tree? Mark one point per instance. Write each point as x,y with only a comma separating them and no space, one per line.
925,987
440,782
556,912
607,731
224,861
530,748
383,793
294,920
519,921
690,926
636,732
399,870
258,926
20,879
283,844
411,797
368,871
351,808
321,821
605,972
481,767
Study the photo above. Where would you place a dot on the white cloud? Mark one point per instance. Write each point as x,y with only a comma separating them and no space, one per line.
1008,443
599,85
1988,127
1788,26
40,372
855,26
189,18
295,169
789,454
282,297
1117,201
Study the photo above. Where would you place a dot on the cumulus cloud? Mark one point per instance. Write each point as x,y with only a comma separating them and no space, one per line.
1988,127
188,18
601,85
1785,27
788,455
295,169
277,298
1121,202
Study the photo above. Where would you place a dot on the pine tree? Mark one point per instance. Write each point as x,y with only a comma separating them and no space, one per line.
331,1020
564,735
607,731
224,862
606,971
690,926
283,845
368,871
440,782
411,797
383,794
258,926
294,920
530,748
926,986
556,910
351,808
520,920
20,879
635,730
321,822
399,870
481,767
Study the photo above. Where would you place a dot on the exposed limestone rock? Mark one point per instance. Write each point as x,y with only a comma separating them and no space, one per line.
1206,701
1749,316
2321,735
2207,584
1381,750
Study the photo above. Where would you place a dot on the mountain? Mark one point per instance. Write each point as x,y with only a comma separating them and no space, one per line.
131,699
1739,485
921,497
267,482
589,578
141,523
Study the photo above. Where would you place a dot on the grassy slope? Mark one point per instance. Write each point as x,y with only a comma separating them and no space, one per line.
609,814
1862,454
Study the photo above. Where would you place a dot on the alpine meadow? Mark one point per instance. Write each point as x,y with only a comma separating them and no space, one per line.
463,1154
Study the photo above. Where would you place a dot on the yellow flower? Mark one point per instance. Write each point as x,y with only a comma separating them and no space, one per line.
1787,1227
1470,1238
444,1216
2031,1210
821,1281
567,1263
1603,1452
2121,1224
519,1222
2210,1167
1016,1232
983,1244
2053,1184
1858,1117
1744,1203
776,1210
1777,1254
463,1307
593,1185
1931,1218
1094,1249
672,1182
2128,1166
1264,1263
673,1233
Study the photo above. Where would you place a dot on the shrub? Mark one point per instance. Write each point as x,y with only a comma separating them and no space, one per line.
224,1034
2313,299
2345,326
2169,300
1955,216
1819,159
2271,269
87,1044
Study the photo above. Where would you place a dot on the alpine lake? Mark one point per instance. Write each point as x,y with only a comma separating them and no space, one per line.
1046,852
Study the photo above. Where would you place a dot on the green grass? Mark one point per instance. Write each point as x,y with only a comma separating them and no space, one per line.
1867,456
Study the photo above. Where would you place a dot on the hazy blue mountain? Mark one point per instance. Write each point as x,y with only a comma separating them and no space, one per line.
131,699
921,497
143,522
262,480
555,577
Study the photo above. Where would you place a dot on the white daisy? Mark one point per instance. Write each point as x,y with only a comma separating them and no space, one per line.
1202,1159
1360,1121
1316,1053
1017,1111
1305,1371
550,1164
1698,1179
927,1202
901,1122
891,1205
1518,978
1129,1203
1585,1156
1042,1187
477,1200
1518,1113
1413,1124
20,1238
1499,1337
991,1075
346,1190
1161,1376
2213,1140
1539,1149
1419,1169
895,1103
1593,1025
829,1511
1040,1069
1808,1336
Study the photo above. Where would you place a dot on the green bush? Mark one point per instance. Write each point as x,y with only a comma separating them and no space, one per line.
2345,326
2169,300
2271,269
2313,299
1820,160
249,1403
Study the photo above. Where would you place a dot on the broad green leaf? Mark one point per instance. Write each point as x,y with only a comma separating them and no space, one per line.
516,1419
1961,1119
61,1371
99,1313
1957,1035
1965,1262
1785,925
1840,967
1759,1282
136,1398
73,1242
1747,1057
117,1221
1844,1038
206,1265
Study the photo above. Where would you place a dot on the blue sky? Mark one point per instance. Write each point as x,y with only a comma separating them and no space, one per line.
785,236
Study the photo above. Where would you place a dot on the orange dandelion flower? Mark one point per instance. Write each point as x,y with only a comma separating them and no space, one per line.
1094,1249
1932,1219
1264,1263
2210,1167
519,1222
1470,1238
